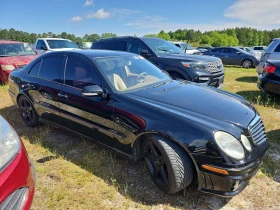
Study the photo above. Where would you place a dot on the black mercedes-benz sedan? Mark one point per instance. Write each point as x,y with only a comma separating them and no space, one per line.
183,131
269,79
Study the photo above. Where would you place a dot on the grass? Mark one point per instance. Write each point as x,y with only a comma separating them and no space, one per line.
74,173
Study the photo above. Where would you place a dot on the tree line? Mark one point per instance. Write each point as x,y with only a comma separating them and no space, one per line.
228,37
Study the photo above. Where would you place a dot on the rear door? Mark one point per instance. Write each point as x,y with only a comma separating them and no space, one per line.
43,86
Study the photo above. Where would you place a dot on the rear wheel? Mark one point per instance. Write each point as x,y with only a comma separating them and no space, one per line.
247,64
171,169
28,112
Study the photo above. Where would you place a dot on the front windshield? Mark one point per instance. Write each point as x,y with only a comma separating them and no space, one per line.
162,47
56,44
15,49
131,73
243,51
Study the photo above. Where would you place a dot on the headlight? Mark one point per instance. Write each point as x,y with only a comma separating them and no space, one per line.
195,65
229,145
7,67
246,143
9,142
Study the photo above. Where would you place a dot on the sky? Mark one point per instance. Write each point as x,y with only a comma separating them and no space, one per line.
129,17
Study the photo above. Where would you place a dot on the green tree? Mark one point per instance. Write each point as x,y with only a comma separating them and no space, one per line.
108,35
163,35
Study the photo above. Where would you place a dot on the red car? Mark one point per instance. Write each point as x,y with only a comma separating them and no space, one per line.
17,175
13,55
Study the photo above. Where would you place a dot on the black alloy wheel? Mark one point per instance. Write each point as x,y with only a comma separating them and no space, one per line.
27,112
168,164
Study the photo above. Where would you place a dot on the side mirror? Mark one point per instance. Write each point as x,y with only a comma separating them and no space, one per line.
238,53
92,90
43,48
145,53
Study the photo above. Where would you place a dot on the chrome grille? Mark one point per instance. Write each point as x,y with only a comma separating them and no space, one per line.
257,131
14,201
214,67
21,66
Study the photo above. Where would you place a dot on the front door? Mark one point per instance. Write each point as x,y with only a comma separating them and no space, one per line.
89,116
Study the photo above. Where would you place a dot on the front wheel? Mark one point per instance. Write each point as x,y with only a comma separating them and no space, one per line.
28,112
247,64
171,169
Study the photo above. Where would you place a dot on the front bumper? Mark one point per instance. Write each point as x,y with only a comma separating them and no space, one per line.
233,183
17,183
5,75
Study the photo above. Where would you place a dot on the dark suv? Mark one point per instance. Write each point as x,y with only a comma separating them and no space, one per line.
168,57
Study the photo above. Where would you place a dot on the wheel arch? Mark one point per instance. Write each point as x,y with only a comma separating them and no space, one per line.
177,70
137,145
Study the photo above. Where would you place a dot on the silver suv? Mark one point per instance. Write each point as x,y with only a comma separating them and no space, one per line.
272,52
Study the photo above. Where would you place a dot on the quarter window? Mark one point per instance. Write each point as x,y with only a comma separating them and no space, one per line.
79,73
277,49
51,67
35,69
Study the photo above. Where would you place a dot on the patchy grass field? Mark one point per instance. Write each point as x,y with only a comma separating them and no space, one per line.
73,173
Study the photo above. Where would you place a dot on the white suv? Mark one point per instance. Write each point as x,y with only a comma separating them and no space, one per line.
187,48
272,52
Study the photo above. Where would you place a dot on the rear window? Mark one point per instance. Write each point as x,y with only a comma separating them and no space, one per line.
258,48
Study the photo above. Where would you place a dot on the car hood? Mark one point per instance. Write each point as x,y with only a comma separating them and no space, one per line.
191,57
17,60
209,106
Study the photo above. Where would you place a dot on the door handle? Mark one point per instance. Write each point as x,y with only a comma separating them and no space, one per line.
61,95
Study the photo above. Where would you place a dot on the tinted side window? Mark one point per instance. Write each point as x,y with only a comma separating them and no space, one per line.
97,45
79,73
277,49
117,45
35,69
51,67
135,46
40,44
258,48
234,51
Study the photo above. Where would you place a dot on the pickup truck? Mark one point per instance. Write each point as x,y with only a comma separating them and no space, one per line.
43,45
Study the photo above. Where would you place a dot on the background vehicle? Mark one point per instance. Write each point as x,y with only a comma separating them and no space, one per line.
247,49
234,56
258,49
17,175
13,55
272,52
187,48
269,80
204,47
118,100
168,57
84,45
43,45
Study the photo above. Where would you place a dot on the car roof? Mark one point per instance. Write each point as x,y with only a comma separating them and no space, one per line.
9,42
54,38
94,53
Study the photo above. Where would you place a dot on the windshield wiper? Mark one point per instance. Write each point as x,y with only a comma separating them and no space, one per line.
168,51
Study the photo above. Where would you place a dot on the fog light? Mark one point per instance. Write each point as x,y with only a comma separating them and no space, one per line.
235,185
204,79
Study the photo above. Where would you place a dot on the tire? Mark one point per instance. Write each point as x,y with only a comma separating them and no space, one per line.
247,63
177,76
170,167
28,112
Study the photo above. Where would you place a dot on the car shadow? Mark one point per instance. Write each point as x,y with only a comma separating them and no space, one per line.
131,179
261,98
247,79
